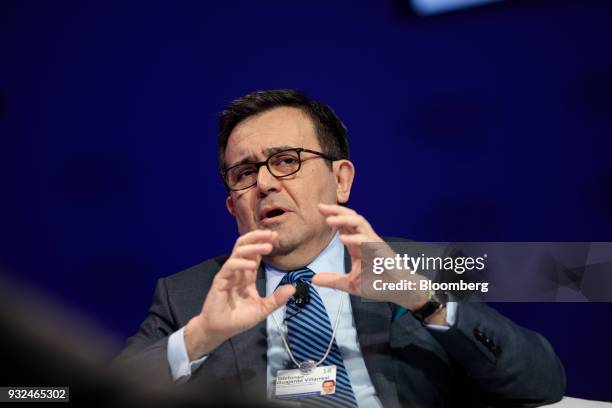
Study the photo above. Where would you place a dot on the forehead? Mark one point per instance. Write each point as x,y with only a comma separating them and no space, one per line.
284,126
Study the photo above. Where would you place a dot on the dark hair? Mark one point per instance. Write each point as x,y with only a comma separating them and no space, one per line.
331,132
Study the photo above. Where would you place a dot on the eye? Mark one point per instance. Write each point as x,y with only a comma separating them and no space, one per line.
285,160
243,172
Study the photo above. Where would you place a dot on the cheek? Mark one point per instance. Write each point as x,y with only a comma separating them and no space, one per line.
325,191
244,216
315,193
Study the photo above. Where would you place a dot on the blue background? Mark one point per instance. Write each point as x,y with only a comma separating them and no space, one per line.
489,124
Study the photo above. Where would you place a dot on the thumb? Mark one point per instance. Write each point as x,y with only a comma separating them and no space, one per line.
331,280
279,298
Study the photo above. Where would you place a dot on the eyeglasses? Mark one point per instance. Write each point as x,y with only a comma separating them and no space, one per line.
280,164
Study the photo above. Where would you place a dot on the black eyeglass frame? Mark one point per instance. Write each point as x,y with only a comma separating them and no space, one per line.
266,163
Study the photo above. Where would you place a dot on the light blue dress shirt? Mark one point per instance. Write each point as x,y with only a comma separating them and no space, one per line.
331,259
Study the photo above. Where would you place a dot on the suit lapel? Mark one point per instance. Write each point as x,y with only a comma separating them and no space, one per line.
373,323
250,349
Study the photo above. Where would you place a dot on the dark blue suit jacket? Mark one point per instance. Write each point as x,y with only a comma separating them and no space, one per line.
483,360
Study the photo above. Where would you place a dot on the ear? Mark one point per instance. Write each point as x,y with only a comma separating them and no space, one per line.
344,173
229,203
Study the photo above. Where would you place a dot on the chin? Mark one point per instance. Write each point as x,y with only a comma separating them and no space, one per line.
287,242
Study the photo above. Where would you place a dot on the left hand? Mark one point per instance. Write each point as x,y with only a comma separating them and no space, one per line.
354,230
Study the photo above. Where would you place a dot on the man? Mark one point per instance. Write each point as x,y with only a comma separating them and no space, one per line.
329,386
285,162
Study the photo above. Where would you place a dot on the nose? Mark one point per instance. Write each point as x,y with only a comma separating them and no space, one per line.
266,182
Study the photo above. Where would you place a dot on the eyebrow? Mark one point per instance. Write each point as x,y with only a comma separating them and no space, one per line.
268,152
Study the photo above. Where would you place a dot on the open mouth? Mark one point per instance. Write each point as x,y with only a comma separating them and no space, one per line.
277,212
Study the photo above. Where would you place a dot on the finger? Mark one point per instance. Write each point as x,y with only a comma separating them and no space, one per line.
355,239
228,275
252,250
349,221
237,279
279,298
334,209
236,264
243,282
331,280
256,236
250,276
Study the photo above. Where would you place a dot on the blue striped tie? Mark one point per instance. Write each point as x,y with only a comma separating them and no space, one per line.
308,334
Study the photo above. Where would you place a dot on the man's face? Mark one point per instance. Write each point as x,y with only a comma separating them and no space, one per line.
328,387
287,205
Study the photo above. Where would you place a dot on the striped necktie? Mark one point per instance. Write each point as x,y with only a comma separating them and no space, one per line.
308,334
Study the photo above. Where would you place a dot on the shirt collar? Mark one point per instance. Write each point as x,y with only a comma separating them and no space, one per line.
331,259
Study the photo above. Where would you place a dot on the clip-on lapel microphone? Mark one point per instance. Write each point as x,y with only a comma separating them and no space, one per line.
301,297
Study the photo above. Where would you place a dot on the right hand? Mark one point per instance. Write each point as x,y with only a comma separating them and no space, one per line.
233,304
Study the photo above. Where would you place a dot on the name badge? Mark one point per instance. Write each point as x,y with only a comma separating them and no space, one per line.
297,384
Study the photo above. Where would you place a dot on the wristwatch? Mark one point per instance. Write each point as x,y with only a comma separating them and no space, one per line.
436,301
